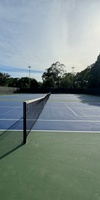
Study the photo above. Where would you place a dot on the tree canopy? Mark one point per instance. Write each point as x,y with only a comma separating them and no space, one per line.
56,77
54,74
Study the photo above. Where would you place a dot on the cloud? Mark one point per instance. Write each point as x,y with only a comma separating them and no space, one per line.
13,69
41,32
22,72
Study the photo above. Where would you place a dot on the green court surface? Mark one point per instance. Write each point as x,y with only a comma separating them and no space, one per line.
52,166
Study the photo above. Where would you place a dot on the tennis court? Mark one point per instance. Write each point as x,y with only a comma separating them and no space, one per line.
70,113
61,159
66,112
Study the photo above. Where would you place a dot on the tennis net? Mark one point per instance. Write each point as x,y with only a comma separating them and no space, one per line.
31,111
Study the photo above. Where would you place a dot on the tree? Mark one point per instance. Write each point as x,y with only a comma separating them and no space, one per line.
23,82
13,82
94,78
4,78
34,84
54,74
66,81
49,83
82,78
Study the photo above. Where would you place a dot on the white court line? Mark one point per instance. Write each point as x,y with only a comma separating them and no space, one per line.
8,130
91,116
71,110
63,131
11,119
9,111
59,120
10,107
46,120
51,131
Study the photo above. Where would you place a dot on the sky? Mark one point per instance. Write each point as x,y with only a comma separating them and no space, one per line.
38,33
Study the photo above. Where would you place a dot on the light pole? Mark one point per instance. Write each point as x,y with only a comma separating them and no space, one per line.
29,75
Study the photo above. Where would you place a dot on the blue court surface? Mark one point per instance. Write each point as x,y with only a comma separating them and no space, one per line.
62,112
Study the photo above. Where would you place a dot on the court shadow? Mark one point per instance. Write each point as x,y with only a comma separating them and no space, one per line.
91,100
11,139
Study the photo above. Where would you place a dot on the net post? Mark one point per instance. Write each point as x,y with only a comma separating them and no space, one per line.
24,122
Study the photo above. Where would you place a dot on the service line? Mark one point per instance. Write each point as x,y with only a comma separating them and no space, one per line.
71,110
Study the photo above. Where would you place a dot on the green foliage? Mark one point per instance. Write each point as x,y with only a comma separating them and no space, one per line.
4,78
55,77
49,83
66,81
13,82
90,77
81,79
53,74
94,79
23,82
34,84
